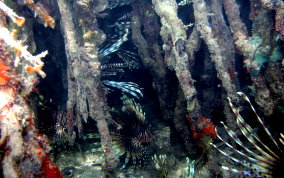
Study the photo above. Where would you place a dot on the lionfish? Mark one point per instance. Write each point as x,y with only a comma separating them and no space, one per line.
131,59
117,3
184,2
131,130
125,60
260,160
122,30
126,87
60,135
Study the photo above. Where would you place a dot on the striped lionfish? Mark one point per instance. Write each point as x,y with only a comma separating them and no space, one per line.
130,58
131,130
184,2
121,30
126,87
260,160
61,135
117,3
113,47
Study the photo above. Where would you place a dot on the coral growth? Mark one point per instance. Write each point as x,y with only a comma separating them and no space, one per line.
201,126
40,10
4,77
25,150
201,129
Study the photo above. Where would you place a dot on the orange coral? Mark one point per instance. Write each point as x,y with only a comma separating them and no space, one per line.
9,12
37,69
20,21
4,77
42,12
201,126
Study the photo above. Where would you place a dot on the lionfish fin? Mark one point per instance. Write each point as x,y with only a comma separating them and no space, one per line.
132,107
259,119
247,131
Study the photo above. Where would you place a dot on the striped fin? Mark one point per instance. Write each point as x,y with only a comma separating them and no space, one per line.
128,55
113,47
259,163
259,119
257,160
130,58
120,26
237,140
184,2
131,105
254,169
127,87
245,173
117,3
236,150
281,139
247,131
126,16
113,66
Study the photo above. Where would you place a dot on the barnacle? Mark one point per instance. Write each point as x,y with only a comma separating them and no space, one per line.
259,160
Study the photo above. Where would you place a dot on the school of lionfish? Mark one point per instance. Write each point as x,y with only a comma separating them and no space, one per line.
118,56
129,125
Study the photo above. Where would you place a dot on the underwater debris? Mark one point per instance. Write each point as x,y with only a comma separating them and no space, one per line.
126,87
261,160
9,38
201,126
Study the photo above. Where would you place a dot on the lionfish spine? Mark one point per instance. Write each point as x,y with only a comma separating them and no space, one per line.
258,161
259,120
128,55
259,168
131,105
281,139
247,131
234,136
111,48
245,173
117,3
184,2
113,65
126,16
127,87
